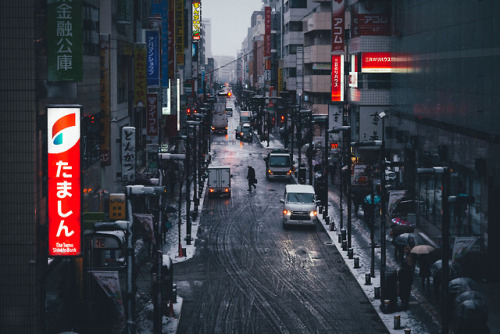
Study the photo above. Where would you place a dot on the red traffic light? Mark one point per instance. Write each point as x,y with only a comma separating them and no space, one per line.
188,111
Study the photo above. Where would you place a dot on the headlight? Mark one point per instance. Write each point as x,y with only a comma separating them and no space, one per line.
287,212
289,172
269,172
313,213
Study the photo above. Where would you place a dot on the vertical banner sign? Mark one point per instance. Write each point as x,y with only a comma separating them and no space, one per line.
64,40
160,8
105,132
196,20
267,32
152,117
153,58
338,25
179,31
128,154
337,91
63,136
171,41
140,75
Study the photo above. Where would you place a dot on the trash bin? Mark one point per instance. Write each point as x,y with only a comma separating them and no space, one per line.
391,289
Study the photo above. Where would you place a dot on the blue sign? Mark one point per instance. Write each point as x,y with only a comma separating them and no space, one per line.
153,58
160,8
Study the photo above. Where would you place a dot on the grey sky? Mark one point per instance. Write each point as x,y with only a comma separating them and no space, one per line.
230,22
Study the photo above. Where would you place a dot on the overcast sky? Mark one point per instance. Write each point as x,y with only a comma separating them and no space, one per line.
230,21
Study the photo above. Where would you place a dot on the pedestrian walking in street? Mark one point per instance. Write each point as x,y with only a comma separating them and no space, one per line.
251,178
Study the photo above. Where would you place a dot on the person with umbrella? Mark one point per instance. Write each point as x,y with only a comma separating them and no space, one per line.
422,253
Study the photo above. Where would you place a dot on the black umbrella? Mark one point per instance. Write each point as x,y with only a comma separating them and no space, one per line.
408,238
461,284
169,209
470,294
455,269
472,309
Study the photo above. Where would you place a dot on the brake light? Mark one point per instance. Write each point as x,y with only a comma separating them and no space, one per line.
226,190
211,190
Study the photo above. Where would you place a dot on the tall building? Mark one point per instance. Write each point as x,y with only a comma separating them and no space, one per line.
444,112
207,33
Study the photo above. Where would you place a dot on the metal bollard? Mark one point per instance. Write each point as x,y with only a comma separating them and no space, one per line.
344,245
387,303
356,262
332,226
340,238
344,234
377,292
407,331
368,279
397,321
327,220
350,253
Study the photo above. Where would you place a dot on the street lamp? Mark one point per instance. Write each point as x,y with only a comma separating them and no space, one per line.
445,174
346,132
192,126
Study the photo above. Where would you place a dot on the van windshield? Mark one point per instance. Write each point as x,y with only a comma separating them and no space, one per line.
300,198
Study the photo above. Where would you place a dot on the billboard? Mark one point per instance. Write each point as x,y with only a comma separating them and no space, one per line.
128,154
196,20
152,117
64,40
64,195
337,84
267,32
179,31
376,62
371,18
153,58
338,25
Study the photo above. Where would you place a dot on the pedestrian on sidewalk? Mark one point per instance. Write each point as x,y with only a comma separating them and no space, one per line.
405,278
425,270
251,178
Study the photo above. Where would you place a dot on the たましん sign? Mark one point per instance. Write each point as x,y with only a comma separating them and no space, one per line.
63,135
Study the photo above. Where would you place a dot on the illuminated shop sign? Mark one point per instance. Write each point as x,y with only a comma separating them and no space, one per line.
196,20
337,89
63,136
376,62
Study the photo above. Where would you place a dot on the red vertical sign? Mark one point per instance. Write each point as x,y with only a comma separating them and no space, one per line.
63,135
338,25
337,91
267,32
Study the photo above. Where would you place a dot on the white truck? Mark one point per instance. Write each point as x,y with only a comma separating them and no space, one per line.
219,121
279,165
219,181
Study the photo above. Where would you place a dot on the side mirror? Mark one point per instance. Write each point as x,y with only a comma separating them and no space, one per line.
282,201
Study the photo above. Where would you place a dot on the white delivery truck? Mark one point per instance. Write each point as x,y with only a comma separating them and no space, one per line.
279,165
219,181
219,120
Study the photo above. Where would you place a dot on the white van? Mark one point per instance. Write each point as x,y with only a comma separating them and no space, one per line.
299,205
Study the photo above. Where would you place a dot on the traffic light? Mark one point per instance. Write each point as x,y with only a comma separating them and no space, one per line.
188,111
282,118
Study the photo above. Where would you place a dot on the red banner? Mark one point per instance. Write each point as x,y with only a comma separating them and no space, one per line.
267,32
376,62
337,90
63,135
338,25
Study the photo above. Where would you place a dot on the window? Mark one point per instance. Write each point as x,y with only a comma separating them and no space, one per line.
298,3
295,25
90,30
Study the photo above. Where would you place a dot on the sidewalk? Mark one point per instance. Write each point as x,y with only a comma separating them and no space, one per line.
424,313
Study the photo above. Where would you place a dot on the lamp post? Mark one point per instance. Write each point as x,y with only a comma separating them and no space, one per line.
346,134
189,156
382,115
445,238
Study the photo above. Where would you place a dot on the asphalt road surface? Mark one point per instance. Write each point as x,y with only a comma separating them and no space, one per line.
249,275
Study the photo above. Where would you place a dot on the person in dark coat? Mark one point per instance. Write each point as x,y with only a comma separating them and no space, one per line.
251,178
405,278
425,270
